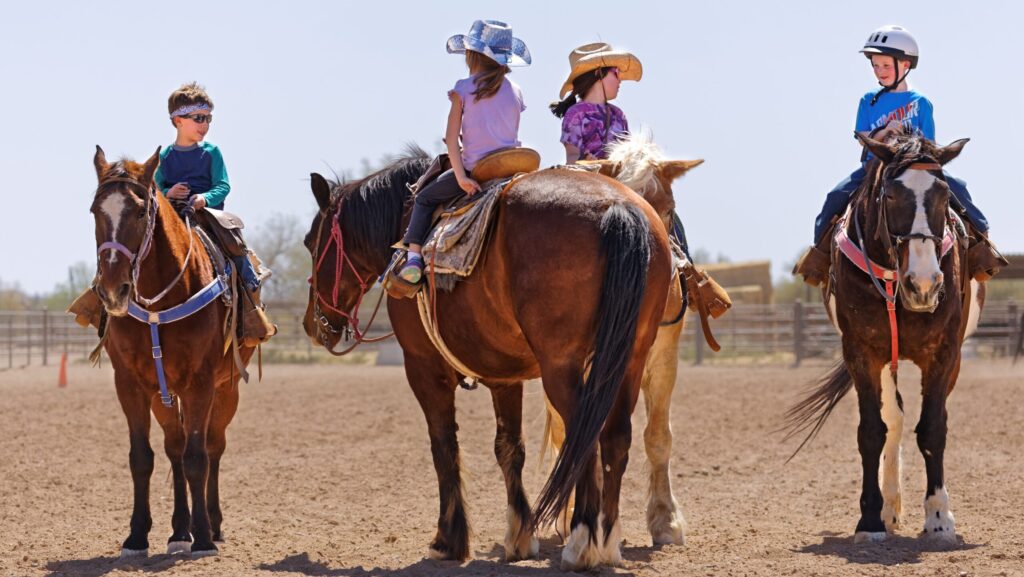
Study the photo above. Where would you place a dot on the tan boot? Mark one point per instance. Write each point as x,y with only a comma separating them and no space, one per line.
256,326
983,259
814,265
87,309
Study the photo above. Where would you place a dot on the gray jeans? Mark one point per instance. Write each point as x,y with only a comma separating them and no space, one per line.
441,191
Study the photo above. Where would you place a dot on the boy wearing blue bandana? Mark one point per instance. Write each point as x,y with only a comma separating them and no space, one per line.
193,177
893,52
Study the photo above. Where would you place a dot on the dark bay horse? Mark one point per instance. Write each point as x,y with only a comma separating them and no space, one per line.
143,246
899,221
570,289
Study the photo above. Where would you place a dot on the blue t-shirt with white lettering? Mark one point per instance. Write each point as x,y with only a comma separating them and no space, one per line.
910,107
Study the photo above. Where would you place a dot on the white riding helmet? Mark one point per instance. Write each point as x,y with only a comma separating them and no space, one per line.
892,40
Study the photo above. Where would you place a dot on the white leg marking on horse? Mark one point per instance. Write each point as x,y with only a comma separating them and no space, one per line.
580,551
974,312
113,207
517,547
612,546
129,553
892,457
938,519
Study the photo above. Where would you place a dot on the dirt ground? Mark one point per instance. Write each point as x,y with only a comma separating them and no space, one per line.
328,473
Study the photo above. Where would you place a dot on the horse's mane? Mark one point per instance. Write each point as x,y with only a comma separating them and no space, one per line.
373,205
909,148
637,157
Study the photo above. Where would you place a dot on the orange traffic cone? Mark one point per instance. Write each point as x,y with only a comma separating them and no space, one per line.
62,380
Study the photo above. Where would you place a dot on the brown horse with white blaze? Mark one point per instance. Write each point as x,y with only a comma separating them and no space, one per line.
900,228
144,248
570,289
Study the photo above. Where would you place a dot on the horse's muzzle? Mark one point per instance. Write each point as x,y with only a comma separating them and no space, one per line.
115,300
922,294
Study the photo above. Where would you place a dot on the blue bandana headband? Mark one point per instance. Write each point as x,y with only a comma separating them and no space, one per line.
189,109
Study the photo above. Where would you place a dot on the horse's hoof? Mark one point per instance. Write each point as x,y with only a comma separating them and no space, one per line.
869,537
218,537
438,555
513,554
130,553
204,553
179,547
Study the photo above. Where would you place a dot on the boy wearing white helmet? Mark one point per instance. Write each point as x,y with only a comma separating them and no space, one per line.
893,53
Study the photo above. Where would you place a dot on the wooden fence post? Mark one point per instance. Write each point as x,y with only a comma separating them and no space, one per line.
698,344
798,332
1014,324
46,335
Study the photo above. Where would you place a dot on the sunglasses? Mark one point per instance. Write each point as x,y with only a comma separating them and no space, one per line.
199,118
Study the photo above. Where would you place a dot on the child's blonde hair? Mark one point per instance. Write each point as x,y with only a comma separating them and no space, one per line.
491,76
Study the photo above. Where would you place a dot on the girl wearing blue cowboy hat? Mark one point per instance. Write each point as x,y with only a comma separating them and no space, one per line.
484,113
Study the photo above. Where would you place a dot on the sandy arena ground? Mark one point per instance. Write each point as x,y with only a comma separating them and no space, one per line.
328,473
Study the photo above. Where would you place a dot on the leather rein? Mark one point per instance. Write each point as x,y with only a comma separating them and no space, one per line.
341,261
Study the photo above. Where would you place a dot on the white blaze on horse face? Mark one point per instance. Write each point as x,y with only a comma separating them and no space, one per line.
113,206
923,261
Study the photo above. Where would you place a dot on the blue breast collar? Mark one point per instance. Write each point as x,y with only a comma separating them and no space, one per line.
154,319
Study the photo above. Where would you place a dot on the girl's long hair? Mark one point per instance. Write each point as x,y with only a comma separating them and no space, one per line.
580,86
492,74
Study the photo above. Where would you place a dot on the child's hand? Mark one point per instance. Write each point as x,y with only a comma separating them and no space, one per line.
468,185
178,191
198,201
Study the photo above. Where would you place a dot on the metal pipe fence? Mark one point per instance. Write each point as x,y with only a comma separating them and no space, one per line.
777,333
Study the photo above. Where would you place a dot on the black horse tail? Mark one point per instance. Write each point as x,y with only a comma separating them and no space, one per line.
812,412
625,244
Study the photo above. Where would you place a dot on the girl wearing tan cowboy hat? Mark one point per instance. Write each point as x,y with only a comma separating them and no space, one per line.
589,121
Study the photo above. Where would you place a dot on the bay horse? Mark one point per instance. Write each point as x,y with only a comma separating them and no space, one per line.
637,162
900,223
570,288
144,248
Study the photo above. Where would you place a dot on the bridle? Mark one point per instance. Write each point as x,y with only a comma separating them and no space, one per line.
135,259
341,260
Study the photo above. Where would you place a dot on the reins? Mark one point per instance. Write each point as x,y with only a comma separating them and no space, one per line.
341,259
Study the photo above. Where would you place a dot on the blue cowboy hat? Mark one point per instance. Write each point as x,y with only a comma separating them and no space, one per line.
494,40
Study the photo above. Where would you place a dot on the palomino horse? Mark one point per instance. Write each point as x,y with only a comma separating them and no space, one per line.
570,289
899,226
636,162
143,247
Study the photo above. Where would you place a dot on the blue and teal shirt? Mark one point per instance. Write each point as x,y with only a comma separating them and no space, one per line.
910,107
201,166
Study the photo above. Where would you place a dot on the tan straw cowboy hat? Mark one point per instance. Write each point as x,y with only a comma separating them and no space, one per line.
601,55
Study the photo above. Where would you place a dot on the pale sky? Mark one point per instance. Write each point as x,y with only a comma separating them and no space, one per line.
766,92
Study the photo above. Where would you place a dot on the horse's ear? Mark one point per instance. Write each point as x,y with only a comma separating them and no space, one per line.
100,162
951,151
321,190
607,167
150,167
673,169
880,149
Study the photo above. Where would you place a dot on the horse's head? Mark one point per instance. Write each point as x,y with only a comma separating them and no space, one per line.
911,208
350,242
637,162
122,208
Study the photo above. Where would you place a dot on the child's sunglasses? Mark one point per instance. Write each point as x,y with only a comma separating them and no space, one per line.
199,118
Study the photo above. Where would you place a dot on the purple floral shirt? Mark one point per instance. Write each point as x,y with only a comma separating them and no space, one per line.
589,127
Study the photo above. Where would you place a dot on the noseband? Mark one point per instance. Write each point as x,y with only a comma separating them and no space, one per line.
341,260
